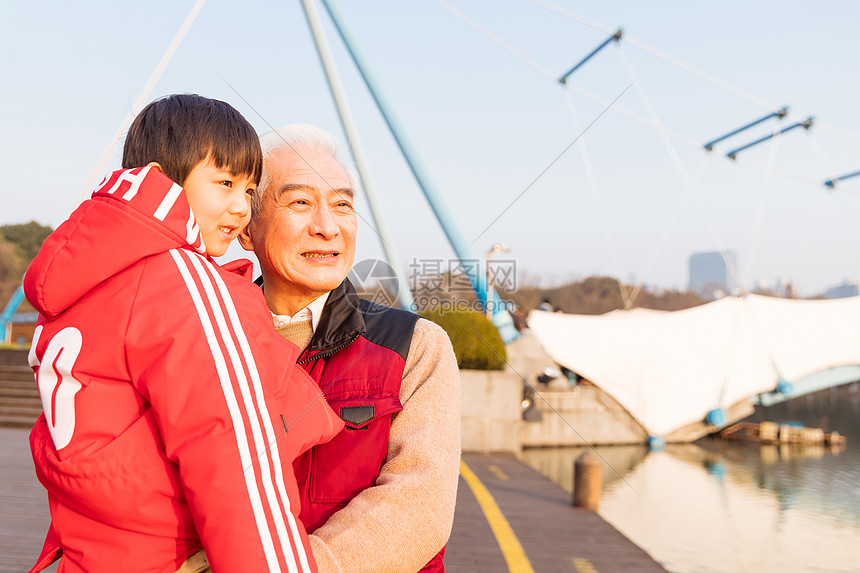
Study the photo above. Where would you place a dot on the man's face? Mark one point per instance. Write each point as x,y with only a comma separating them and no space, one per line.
220,202
304,236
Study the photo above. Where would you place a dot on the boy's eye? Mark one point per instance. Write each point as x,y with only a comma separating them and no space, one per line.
250,191
227,183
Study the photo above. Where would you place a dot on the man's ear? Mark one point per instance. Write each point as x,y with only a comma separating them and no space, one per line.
245,238
155,165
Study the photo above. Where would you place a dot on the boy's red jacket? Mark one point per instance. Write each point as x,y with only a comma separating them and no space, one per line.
172,409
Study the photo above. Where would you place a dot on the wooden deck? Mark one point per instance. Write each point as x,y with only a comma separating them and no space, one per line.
550,534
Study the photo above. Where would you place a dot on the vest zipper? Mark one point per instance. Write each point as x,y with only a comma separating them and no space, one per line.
330,351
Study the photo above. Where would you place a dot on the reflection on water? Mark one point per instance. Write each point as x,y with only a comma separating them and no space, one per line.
718,506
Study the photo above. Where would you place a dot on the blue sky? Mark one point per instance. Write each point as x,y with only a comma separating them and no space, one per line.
487,124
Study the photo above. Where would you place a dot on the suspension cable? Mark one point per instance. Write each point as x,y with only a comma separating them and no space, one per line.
138,103
596,196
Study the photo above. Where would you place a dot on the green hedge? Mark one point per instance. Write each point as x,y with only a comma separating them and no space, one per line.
476,341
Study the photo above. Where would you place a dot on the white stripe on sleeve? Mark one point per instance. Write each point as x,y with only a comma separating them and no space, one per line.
270,434
265,447
236,415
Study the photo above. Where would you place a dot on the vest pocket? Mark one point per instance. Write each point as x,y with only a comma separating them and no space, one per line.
351,461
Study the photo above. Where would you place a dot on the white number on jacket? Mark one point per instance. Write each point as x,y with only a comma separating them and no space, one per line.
57,386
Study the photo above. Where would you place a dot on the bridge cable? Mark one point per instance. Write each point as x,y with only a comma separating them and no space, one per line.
672,151
686,67
695,144
123,127
765,168
138,103
689,193
596,196
824,201
692,143
768,169
553,77
730,352
633,115
782,385
759,220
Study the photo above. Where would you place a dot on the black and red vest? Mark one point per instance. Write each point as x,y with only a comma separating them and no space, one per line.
357,356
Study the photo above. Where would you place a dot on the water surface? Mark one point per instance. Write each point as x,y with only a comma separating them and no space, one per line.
719,506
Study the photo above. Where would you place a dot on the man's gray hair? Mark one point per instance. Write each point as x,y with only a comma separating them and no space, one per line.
298,137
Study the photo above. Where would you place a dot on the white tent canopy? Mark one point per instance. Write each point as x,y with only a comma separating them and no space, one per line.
670,369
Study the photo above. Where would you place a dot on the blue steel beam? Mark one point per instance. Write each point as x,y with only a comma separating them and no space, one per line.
832,182
502,319
804,124
404,294
828,378
422,176
614,37
9,311
777,114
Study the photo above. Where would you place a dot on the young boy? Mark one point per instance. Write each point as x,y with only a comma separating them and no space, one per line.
165,431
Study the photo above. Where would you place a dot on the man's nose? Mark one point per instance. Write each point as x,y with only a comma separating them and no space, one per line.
323,223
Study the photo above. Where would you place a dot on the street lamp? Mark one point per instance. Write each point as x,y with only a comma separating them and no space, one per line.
496,248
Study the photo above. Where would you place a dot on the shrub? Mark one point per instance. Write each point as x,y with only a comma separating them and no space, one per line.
476,341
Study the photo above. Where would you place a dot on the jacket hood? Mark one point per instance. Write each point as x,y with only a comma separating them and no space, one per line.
133,214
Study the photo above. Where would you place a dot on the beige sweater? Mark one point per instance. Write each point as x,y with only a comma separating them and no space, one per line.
404,520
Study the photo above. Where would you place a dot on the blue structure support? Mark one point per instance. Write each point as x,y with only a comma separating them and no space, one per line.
804,124
832,182
404,294
716,417
457,241
814,382
422,176
9,312
777,114
616,37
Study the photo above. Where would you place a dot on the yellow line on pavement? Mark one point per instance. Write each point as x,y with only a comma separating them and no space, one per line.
583,565
510,545
498,473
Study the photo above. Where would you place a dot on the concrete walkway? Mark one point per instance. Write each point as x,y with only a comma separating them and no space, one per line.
24,515
552,535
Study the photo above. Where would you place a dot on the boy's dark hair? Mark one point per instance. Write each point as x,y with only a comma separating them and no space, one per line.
181,130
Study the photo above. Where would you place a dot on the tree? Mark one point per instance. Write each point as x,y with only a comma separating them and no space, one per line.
26,237
11,270
598,295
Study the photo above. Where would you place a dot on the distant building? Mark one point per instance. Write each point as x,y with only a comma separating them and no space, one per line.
20,329
849,287
786,289
710,274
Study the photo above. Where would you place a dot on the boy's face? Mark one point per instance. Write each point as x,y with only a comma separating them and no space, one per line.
220,202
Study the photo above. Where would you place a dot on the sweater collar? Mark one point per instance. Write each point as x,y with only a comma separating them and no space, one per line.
340,320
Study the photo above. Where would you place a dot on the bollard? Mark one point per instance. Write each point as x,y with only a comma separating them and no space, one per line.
586,481
768,431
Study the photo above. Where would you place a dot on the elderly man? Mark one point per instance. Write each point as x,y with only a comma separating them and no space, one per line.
380,496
